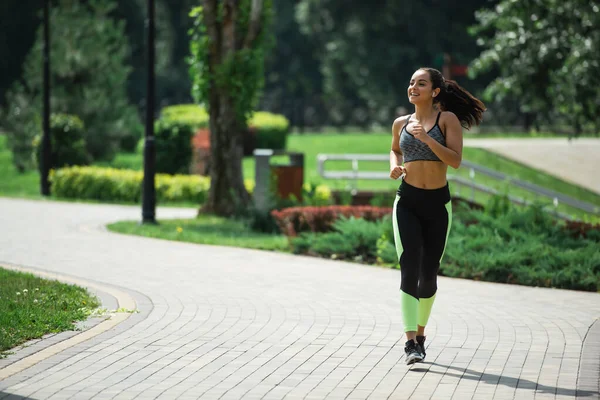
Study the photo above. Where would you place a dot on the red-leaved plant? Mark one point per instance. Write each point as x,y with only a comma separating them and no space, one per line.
294,220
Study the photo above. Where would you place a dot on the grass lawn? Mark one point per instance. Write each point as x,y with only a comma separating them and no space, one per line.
205,230
31,307
12,183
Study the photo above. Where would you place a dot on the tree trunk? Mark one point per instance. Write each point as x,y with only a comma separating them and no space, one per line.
227,192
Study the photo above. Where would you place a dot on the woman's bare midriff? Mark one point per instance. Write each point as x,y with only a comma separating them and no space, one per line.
426,174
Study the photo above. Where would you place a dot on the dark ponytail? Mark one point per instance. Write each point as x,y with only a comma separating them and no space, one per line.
454,98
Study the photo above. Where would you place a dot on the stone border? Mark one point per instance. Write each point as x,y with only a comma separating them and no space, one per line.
35,351
588,377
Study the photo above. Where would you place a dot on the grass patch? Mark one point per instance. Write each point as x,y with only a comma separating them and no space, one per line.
205,229
31,307
13,183
133,161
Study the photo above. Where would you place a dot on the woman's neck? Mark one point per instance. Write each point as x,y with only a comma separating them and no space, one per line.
424,112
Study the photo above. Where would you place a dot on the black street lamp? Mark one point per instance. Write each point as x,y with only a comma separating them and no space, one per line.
46,152
149,192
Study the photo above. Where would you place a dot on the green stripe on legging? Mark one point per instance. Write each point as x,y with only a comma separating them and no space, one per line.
424,310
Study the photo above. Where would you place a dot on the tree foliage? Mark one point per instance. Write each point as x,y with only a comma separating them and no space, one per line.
546,54
369,50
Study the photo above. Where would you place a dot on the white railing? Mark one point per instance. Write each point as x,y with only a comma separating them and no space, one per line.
355,174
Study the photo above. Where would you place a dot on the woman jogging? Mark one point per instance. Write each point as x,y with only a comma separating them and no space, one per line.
423,145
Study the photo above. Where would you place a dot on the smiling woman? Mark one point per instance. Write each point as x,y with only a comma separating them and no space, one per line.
424,144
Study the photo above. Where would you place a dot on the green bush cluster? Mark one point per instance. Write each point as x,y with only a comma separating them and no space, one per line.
191,114
270,130
351,239
524,246
173,146
67,142
118,185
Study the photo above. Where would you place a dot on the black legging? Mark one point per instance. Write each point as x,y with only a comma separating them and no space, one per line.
421,226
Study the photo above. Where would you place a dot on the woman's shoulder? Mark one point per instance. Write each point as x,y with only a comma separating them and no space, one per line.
401,121
447,116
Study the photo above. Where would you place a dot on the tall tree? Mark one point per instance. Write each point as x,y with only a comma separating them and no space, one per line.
547,53
227,66
88,77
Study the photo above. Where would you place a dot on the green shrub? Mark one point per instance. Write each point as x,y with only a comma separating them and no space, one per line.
271,130
67,142
352,239
132,133
118,185
173,146
191,114
523,246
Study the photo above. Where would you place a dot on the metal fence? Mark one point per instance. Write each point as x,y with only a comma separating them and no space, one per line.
539,192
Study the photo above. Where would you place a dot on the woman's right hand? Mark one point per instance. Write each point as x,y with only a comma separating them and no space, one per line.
397,171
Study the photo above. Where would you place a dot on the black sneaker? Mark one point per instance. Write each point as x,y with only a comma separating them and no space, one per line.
421,342
413,352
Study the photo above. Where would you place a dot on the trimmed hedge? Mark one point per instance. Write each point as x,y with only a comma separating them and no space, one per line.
295,220
123,185
269,130
118,185
191,114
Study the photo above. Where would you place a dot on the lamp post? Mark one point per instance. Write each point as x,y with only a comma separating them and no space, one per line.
46,151
149,192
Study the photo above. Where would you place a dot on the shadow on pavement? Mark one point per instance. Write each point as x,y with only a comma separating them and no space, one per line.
492,379
9,396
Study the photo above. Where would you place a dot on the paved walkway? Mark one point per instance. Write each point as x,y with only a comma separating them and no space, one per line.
576,161
226,323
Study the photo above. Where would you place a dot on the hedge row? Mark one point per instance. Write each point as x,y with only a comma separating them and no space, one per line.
267,130
125,186
118,185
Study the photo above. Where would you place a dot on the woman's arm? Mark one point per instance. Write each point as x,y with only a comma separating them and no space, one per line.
396,168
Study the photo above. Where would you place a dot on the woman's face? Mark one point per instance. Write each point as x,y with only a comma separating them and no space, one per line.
420,89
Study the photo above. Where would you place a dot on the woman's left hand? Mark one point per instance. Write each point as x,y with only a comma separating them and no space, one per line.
420,133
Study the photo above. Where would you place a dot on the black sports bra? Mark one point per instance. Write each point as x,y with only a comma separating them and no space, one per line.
414,150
